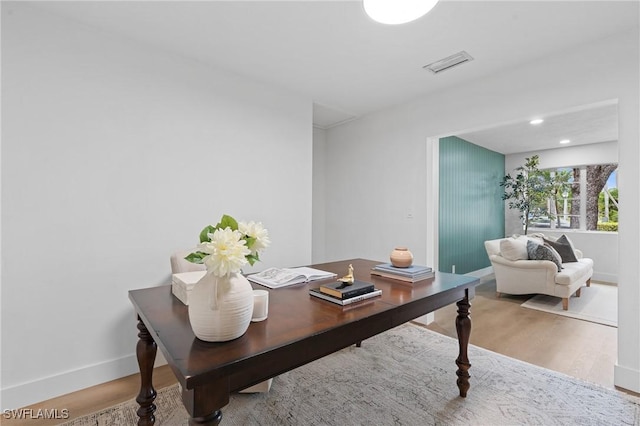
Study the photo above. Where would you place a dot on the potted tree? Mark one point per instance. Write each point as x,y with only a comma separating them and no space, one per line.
527,190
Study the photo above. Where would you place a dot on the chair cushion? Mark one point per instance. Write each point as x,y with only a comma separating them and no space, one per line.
573,271
543,252
513,249
564,249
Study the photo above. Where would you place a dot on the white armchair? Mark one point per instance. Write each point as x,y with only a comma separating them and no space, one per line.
516,274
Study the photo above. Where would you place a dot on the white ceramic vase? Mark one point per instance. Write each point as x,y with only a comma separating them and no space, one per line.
220,308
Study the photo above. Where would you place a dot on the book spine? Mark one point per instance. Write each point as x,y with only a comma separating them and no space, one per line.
410,269
402,273
346,294
402,277
362,297
392,276
320,295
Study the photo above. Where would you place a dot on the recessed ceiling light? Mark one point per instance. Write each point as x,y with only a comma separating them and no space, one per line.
536,121
565,141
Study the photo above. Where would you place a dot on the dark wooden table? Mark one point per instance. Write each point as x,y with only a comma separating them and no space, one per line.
300,329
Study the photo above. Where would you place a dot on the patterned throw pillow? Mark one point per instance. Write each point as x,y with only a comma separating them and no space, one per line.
542,252
563,247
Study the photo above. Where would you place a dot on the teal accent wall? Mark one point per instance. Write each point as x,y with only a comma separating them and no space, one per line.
471,208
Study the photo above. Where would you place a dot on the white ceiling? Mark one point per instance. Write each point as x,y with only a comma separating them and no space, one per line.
345,63
591,124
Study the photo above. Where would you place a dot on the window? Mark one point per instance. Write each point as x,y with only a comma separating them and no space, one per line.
582,198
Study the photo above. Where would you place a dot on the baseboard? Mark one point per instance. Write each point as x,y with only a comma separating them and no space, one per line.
29,393
626,378
484,274
605,278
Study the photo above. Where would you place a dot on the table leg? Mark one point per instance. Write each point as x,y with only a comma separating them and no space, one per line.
211,420
146,352
463,327
204,402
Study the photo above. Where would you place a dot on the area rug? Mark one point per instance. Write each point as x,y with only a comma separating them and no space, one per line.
406,376
598,303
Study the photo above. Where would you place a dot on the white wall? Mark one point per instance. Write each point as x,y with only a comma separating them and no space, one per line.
377,165
377,179
114,155
318,254
602,247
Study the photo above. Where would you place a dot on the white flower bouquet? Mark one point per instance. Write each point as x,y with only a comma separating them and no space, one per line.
225,248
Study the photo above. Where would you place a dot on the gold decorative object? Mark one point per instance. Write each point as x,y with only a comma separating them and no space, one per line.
348,279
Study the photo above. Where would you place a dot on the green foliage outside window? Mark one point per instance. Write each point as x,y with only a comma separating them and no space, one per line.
613,208
553,199
608,226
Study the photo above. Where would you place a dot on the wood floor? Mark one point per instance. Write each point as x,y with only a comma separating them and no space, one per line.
581,349
578,348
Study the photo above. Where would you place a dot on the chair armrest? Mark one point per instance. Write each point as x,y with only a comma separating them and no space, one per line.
578,253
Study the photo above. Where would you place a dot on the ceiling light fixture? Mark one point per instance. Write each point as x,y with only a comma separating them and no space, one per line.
565,141
394,12
536,121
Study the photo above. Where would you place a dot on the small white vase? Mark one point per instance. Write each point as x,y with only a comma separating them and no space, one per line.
220,308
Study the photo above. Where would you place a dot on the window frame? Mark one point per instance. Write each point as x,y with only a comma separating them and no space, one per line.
533,225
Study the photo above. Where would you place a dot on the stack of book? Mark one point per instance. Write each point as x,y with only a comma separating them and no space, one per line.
343,294
411,274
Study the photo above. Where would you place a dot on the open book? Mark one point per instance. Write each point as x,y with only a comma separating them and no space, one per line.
281,277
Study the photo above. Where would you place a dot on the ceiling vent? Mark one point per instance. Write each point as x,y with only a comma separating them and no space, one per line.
448,62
